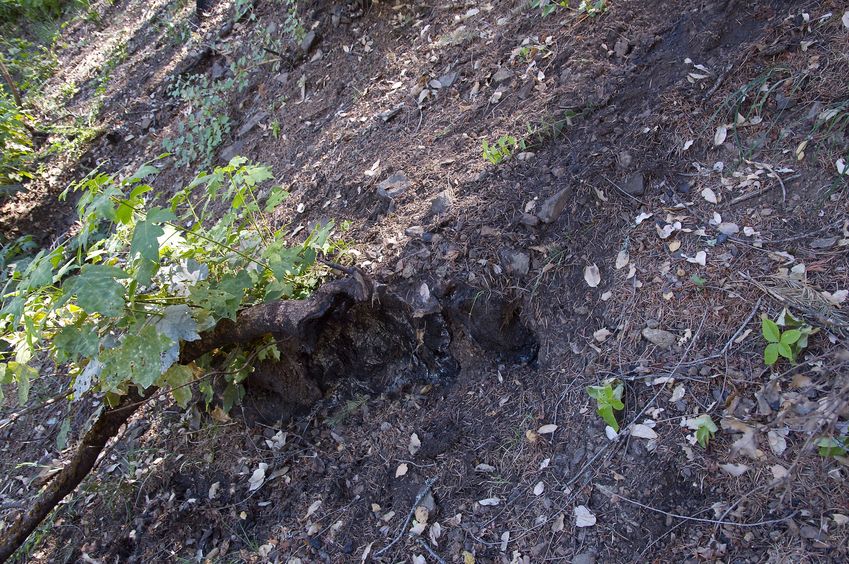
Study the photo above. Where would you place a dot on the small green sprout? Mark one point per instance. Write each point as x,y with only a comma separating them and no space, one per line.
705,429
608,398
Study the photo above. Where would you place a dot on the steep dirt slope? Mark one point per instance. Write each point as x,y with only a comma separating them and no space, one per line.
660,205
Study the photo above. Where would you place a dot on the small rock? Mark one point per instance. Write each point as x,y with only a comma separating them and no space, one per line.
309,41
441,203
652,323
448,79
516,262
624,160
393,186
250,123
659,337
529,219
634,185
231,151
621,47
146,122
219,69
584,558
554,206
502,75
558,172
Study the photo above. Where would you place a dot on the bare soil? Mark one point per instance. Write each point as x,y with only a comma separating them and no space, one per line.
616,123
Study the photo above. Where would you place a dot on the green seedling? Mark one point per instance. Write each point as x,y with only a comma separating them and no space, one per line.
788,343
608,398
502,149
830,446
705,429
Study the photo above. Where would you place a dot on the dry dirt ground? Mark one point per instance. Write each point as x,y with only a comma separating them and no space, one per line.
664,148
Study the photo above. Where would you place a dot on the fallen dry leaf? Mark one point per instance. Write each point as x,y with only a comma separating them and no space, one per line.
592,276
584,517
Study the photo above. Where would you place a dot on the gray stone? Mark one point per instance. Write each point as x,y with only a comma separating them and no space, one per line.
233,150
146,122
441,203
659,337
529,219
393,186
516,262
250,123
448,79
502,75
551,209
634,185
584,558
309,41
621,47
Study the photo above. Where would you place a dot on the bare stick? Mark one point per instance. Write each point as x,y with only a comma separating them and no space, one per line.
419,497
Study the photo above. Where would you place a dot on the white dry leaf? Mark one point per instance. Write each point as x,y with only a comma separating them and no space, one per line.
559,523
839,518
584,517
313,508
735,470
777,442
720,135
749,231
505,540
401,470
837,297
489,502
415,444
278,441
544,464
677,393
601,335
606,296
547,429
687,144
417,528
845,19
674,245
258,477
622,259
779,472
434,533
213,490
842,167
642,217
700,258
366,552
592,276
486,468
641,431
611,433
539,488
373,170
710,196
419,559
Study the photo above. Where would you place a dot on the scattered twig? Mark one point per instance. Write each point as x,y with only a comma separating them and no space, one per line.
623,192
422,492
719,80
616,496
432,552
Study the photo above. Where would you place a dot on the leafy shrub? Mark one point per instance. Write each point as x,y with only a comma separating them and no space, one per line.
502,149
116,301
207,122
15,144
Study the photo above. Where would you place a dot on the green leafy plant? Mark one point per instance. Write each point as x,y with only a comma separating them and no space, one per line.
206,123
833,446
115,302
705,429
787,343
608,398
592,8
547,7
15,144
502,149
